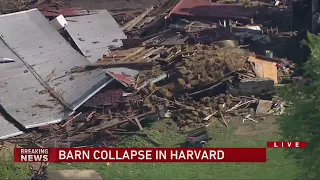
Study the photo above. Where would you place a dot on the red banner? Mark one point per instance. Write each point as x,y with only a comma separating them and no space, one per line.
140,155
286,144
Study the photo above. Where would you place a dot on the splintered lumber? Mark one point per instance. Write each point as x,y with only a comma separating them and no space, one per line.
142,54
116,121
245,75
255,70
104,125
224,120
73,118
240,104
138,123
134,53
154,51
132,65
128,26
131,120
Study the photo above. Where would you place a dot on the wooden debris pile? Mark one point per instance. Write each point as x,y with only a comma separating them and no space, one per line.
192,84
86,129
10,6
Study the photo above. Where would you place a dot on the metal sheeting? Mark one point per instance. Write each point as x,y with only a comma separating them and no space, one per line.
7,129
94,34
50,56
30,35
21,95
125,71
205,8
123,75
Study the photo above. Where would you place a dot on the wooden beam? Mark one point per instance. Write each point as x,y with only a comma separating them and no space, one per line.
254,70
139,125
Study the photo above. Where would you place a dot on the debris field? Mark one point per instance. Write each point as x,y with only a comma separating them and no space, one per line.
158,63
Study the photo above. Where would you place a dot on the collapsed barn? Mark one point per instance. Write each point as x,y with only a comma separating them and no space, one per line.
78,79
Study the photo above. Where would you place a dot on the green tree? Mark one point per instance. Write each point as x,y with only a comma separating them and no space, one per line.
301,122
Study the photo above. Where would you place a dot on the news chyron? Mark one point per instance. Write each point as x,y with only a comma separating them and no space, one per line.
156,155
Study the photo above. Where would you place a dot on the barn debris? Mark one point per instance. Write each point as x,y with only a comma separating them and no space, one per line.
163,62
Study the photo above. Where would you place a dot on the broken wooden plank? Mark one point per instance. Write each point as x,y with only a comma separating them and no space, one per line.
128,26
141,55
145,21
131,120
73,118
132,65
246,76
240,104
224,120
154,51
155,90
116,121
139,125
255,70
134,53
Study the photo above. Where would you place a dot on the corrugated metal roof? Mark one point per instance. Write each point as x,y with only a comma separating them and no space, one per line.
7,129
205,8
30,35
94,34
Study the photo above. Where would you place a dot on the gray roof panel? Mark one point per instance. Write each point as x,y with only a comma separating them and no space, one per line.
130,72
7,129
20,97
31,36
95,33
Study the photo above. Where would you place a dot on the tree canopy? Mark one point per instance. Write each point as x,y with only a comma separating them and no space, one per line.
301,122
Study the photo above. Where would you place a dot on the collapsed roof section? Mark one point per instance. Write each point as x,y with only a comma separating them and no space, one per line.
95,34
22,96
44,85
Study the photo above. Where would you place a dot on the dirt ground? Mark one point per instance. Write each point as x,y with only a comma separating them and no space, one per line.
74,174
114,5
248,128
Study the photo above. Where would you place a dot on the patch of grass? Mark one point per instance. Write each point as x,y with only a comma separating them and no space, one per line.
165,133
11,170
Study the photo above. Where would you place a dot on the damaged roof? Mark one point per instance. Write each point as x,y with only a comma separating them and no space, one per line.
123,75
44,59
95,34
21,94
205,8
